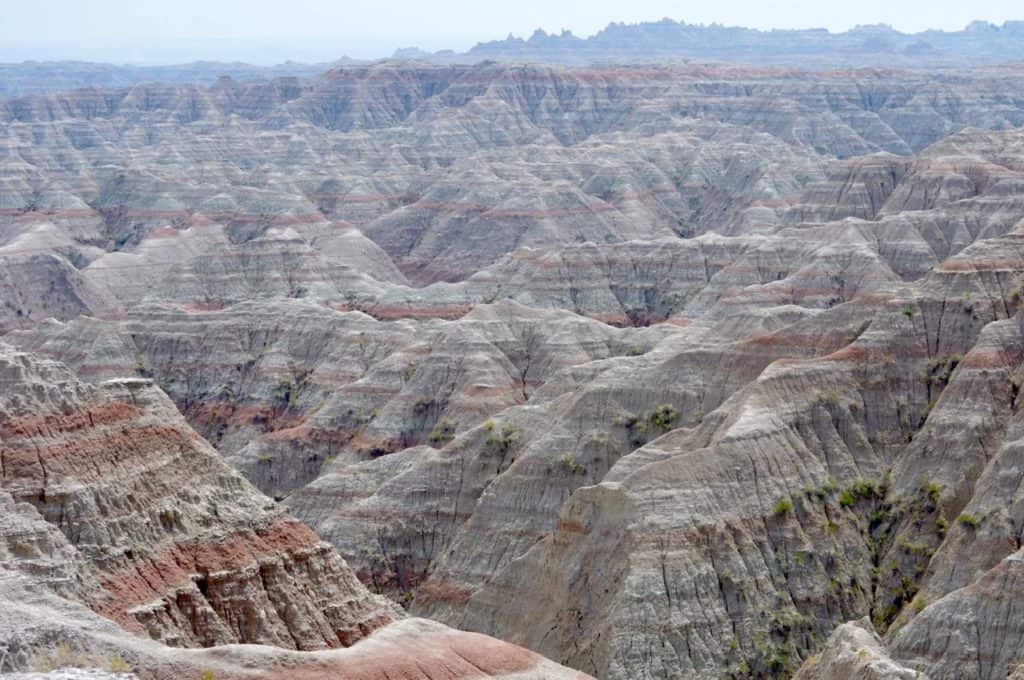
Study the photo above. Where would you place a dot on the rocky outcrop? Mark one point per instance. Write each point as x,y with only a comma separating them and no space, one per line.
854,650
970,633
41,630
178,543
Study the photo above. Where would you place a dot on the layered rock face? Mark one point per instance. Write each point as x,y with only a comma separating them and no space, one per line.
660,372
181,546
111,501
206,196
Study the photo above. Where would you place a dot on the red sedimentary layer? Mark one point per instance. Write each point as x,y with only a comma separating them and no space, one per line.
966,265
53,424
888,354
100,444
447,592
85,445
571,526
271,418
818,343
612,319
409,312
303,434
150,578
89,457
990,358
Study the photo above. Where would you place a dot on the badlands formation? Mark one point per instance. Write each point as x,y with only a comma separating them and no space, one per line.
633,371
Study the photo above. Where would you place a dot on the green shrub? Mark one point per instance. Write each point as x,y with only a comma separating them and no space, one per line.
831,398
570,464
878,517
969,521
503,441
933,490
917,548
783,507
638,428
285,393
442,433
624,419
663,418
637,431
865,489
846,498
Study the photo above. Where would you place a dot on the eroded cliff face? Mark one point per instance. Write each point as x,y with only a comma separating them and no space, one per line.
715,372
179,543
112,502
333,187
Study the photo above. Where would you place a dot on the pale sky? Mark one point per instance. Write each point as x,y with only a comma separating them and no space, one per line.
271,31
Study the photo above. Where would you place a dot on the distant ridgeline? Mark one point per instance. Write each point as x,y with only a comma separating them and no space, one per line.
875,45
980,43
43,77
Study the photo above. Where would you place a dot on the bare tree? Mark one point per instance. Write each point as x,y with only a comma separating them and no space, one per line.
371,349
525,352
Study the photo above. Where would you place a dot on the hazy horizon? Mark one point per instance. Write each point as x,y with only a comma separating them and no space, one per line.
146,32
